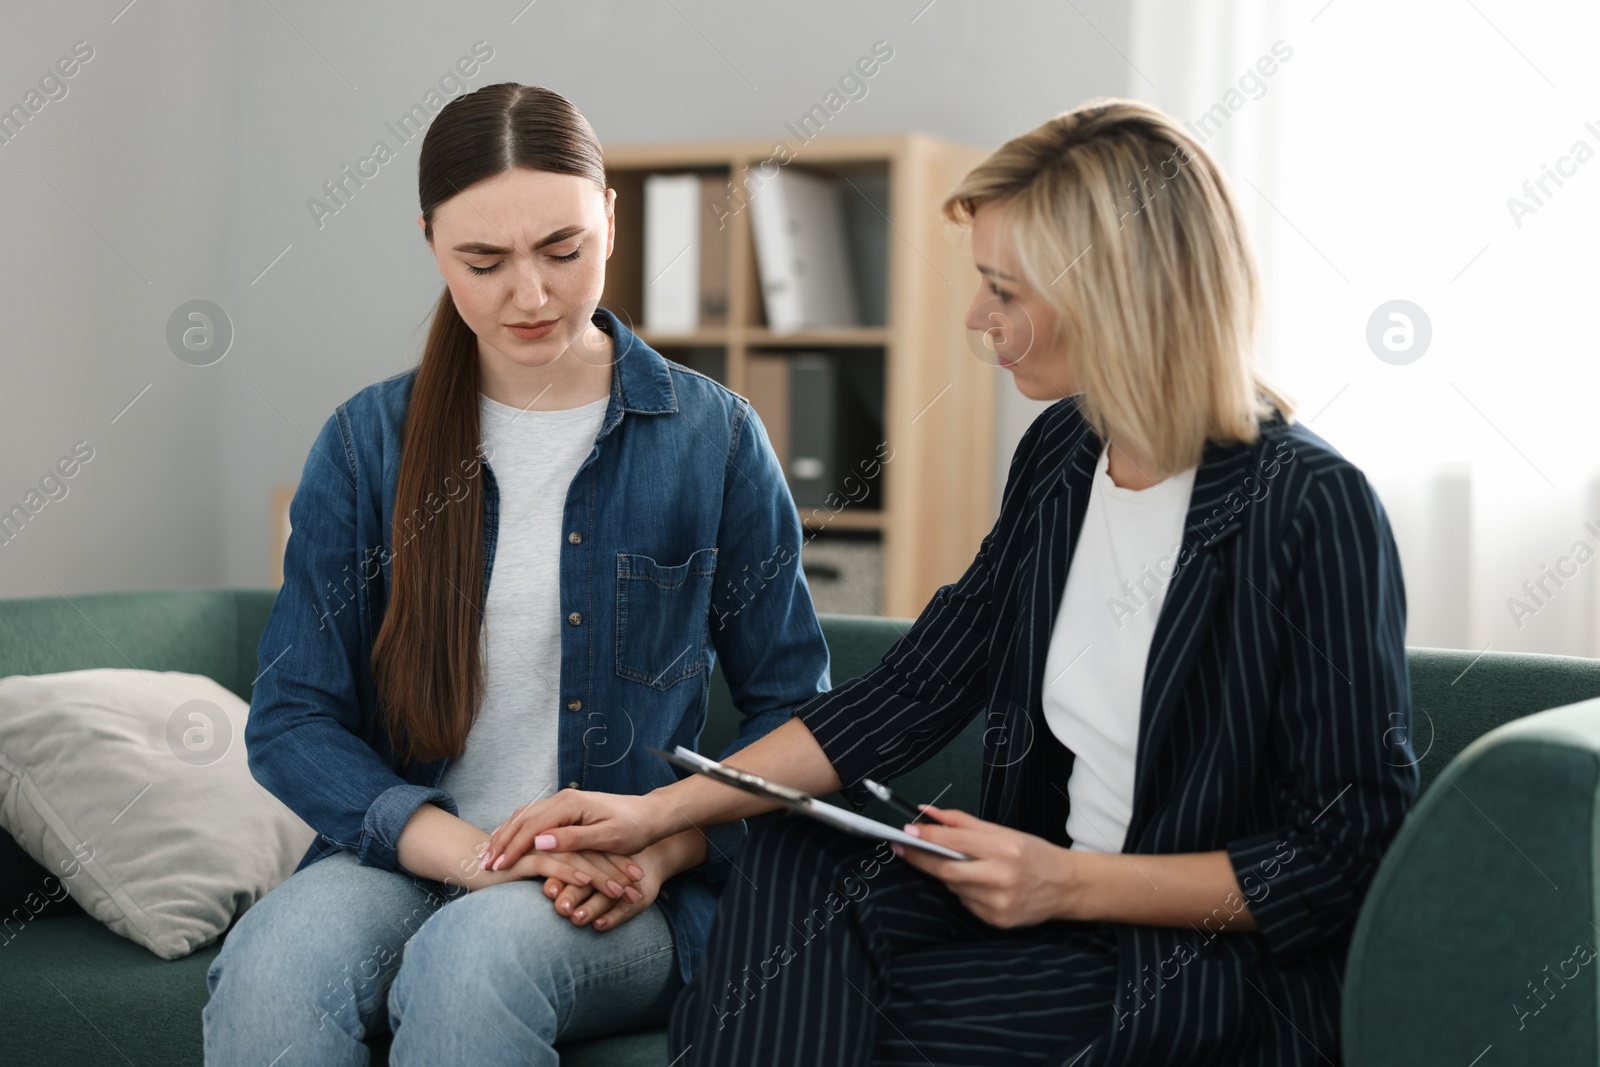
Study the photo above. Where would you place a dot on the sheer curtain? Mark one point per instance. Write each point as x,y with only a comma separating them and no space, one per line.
1447,155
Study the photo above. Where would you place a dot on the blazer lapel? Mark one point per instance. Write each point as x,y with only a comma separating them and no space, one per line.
1055,515
1055,511
1187,608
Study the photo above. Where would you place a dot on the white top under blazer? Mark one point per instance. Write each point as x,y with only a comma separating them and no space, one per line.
1117,580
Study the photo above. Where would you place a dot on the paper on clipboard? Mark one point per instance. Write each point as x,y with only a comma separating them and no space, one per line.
805,803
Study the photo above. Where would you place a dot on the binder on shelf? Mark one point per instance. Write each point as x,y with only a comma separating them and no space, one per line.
767,388
812,437
835,427
802,252
710,360
714,208
671,252
866,223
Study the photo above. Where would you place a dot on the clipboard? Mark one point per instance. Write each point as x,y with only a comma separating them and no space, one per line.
804,803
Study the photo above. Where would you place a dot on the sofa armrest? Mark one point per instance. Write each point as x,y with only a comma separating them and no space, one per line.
1480,927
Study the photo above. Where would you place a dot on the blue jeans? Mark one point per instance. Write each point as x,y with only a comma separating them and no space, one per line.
339,951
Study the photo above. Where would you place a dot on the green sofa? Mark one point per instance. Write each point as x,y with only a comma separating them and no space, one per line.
1500,845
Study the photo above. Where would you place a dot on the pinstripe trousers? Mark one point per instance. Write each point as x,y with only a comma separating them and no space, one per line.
829,951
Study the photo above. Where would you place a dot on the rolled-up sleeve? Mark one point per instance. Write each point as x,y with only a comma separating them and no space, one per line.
303,734
1342,741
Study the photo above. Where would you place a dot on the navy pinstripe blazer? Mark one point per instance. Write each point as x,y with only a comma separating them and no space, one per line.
1275,724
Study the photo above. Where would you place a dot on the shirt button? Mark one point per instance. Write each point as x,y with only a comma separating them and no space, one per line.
574,618
574,705
572,785
574,538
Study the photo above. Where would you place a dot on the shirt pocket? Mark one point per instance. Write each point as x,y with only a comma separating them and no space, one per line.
661,617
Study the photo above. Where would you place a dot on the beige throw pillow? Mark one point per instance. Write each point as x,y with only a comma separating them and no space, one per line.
132,789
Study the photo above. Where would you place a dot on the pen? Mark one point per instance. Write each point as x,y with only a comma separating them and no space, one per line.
885,794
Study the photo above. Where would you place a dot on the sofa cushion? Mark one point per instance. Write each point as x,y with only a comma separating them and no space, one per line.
74,992
198,631
131,788
1459,695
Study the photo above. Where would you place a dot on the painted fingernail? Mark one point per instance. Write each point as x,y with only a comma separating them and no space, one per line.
566,907
612,887
899,850
599,924
582,878
634,895
545,842
579,916
634,871
914,831
499,863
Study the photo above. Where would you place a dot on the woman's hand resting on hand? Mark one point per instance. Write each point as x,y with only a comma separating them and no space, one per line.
611,866
575,820
613,876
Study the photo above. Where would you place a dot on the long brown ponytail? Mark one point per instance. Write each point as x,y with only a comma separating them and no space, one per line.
426,660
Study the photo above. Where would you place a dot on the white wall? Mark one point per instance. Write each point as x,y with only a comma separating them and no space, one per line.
117,201
179,162
362,285
194,137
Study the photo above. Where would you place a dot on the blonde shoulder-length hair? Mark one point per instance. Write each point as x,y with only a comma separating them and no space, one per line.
1160,309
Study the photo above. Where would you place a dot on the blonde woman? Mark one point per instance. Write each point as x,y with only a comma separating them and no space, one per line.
1185,632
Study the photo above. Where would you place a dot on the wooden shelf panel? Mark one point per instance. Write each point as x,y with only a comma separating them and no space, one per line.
751,151
706,336
761,337
840,337
819,518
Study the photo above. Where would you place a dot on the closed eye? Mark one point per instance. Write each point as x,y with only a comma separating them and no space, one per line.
568,258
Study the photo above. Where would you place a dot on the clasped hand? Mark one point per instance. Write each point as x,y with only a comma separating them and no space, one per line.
588,886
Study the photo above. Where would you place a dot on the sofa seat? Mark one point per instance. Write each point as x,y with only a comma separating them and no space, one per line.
72,992
104,999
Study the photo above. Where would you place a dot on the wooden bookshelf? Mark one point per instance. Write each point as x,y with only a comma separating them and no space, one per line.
934,499
282,495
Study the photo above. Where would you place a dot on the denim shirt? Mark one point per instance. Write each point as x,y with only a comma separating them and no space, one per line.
681,543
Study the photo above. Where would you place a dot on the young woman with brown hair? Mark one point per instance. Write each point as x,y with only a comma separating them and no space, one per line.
407,704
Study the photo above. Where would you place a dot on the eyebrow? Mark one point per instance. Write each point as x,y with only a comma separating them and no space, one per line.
480,248
991,271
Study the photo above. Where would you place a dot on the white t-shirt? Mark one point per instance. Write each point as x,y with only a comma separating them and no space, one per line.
511,757
1126,557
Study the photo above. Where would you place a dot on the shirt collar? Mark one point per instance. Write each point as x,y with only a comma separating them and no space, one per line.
642,383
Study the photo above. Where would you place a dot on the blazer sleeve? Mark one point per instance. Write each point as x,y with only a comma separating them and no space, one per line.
303,734
1346,770
931,681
